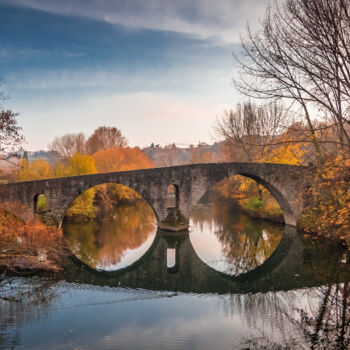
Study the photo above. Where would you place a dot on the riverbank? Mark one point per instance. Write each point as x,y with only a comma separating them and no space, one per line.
28,248
262,209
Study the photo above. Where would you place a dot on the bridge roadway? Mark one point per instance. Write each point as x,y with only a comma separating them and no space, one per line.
285,182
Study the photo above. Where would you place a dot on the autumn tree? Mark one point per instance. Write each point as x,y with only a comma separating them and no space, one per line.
38,169
81,164
105,137
120,159
82,206
328,201
67,145
302,55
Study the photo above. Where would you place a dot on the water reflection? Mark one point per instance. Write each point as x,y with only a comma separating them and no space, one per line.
114,241
170,299
92,317
230,241
22,300
313,318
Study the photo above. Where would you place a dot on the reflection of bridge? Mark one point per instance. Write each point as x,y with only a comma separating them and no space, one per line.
285,182
291,266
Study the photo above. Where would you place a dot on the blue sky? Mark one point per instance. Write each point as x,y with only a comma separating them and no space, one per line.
158,70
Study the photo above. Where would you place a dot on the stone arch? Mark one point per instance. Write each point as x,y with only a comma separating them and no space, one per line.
36,202
85,187
173,219
173,196
290,217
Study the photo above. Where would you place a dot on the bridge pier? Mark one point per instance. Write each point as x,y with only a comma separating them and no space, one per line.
174,221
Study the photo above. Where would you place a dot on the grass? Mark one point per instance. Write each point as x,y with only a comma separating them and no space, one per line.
267,209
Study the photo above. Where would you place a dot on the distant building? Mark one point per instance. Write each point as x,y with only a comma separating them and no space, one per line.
11,161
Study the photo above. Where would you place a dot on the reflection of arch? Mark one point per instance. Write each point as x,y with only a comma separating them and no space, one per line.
284,270
288,237
176,241
68,203
111,274
171,258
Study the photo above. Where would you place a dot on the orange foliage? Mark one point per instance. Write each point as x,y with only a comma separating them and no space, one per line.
287,153
81,164
328,209
31,245
36,170
121,159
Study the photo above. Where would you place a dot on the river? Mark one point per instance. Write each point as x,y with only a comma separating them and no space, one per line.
231,282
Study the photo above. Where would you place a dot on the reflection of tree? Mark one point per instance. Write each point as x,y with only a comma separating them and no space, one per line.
317,318
103,243
22,300
329,325
266,314
246,243
323,322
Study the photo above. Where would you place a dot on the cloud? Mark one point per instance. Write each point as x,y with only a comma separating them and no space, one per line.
200,79
217,21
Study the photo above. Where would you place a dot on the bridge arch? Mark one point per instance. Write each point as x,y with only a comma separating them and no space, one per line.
84,189
173,196
289,215
40,203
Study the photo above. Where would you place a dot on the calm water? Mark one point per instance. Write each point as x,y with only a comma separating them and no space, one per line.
229,283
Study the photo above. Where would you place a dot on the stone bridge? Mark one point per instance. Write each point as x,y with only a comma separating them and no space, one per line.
190,182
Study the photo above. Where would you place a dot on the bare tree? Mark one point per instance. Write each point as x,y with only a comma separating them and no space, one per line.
252,129
68,144
105,137
10,135
10,132
302,54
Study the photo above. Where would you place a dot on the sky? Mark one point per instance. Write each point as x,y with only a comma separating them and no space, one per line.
159,70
